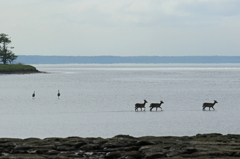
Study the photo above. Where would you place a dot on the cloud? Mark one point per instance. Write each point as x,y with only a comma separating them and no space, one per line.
108,12
147,13
121,27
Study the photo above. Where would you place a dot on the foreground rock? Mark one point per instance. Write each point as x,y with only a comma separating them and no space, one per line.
122,147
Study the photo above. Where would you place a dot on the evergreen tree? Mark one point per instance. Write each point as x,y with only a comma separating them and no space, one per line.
6,55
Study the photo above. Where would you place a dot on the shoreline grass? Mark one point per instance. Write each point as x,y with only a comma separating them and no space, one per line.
17,68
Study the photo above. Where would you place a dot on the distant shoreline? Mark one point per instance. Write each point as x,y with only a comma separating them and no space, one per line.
34,59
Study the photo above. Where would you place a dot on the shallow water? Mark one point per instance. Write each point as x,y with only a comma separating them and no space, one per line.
98,100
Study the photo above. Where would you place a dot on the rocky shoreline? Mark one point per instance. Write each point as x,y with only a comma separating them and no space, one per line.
122,147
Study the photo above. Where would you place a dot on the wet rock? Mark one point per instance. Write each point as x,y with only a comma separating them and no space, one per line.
123,147
94,155
64,148
118,143
113,155
90,147
121,137
60,157
142,143
52,152
189,150
155,148
22,156
131,148
71,154
151,155
132,154
13,140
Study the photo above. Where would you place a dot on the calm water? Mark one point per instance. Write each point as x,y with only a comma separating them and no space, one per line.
98,100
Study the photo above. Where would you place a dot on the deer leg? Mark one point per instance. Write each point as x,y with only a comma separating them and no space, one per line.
161,108
213,108
209,108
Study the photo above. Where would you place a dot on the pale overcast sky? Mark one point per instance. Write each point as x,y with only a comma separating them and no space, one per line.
122,27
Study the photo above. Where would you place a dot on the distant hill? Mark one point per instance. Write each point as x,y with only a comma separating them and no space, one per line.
125,59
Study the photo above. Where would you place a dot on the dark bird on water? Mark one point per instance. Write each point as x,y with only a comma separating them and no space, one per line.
58,94
33,95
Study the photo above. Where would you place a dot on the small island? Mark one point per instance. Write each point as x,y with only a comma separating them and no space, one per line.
7,58
17,69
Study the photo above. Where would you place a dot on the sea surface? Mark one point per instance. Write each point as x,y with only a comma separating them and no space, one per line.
98,100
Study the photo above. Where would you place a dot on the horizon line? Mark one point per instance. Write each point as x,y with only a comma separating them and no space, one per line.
138,55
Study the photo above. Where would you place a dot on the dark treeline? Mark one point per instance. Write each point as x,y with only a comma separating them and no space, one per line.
125,59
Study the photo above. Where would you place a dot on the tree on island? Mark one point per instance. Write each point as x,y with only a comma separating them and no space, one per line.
6,55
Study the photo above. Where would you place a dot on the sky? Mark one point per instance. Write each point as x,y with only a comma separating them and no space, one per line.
122,27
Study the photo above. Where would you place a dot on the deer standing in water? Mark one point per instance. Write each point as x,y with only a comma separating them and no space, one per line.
210,105
156,105
140,105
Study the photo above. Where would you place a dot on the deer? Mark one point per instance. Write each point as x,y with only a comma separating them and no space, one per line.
156,105
210,105
140,105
